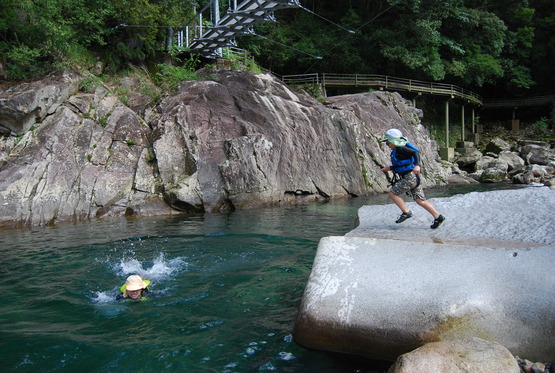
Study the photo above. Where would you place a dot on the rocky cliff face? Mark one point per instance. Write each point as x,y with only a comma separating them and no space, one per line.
236,141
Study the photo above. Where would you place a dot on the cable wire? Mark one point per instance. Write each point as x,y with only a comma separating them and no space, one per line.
341,41
284,45
327,20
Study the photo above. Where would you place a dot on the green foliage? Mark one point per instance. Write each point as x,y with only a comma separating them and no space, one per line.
23,62
502,44
312,89
149,90
438,133
482,66
122,94
41,35
89,84
169,77
541,126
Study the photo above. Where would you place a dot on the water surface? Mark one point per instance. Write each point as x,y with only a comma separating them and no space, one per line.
229,286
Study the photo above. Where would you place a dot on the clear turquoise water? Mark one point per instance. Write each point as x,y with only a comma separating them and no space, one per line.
230,286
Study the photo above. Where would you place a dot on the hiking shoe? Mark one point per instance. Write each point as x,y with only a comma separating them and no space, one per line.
437,222
404,216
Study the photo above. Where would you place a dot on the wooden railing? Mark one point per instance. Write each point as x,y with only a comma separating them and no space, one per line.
384,82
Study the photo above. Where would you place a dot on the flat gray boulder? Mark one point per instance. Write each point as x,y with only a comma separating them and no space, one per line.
386,289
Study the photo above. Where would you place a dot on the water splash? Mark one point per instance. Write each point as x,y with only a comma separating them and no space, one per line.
160,268
157,270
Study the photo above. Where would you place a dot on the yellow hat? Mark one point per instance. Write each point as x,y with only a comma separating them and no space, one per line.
134,282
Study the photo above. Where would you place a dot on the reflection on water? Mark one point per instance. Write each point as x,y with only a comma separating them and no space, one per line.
230,285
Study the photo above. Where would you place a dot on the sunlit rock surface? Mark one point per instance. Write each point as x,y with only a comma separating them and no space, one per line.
385,289
235,140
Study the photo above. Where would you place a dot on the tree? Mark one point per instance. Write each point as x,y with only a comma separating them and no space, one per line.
40,35
542,53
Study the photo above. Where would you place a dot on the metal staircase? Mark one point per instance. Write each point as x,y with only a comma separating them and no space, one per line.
237,21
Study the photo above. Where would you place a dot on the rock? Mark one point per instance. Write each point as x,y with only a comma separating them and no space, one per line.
461,179
27,104
533,173
497,145
237,140
541,172
72,167
523,178
527,366
468,355
140,94
512,159
385,289
538,154
266,145
468,161
493,170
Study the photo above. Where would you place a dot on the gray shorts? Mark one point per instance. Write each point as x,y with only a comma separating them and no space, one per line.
409,183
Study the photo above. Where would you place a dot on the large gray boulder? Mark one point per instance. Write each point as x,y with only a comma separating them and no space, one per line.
538,152
220,146
237,140
468,355
385,289
468,160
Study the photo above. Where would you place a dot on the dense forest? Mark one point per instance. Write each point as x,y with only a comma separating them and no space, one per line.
499,48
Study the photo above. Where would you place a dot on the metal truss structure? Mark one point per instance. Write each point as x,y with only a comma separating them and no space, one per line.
237,21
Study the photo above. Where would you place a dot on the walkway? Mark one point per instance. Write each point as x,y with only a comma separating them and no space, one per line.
385,82
521,102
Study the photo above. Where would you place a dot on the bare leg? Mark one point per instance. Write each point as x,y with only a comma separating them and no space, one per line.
428,207
398,200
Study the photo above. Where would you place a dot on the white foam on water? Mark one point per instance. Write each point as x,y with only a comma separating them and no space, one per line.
157,270
105,302
160,268
103,297
286,356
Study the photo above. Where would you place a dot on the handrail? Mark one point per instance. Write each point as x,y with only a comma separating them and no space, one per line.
392,83
312,78
388,82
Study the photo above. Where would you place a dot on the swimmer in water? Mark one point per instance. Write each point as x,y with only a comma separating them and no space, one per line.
135,288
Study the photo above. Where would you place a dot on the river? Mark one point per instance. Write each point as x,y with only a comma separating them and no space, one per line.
229,286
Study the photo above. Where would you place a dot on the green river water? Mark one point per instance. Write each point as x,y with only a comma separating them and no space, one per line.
229,285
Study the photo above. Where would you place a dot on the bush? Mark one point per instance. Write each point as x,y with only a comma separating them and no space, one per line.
23,62
540,126
168,77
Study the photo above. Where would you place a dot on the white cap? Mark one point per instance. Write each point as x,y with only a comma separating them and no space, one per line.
394,132
391,134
